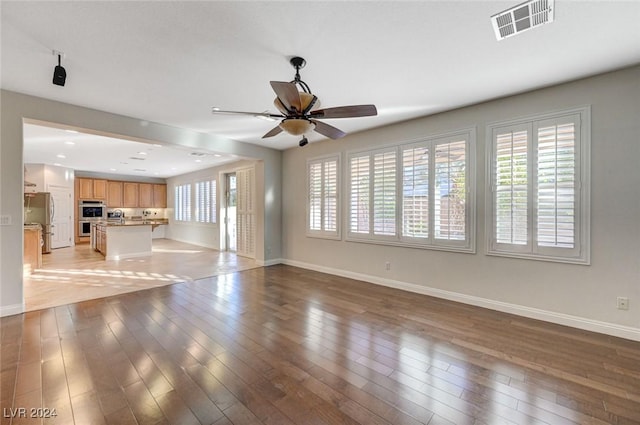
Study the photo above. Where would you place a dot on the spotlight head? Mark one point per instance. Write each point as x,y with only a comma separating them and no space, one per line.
303,142
59,73
59,76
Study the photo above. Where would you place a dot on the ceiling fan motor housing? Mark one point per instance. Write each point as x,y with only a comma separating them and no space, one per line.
305,101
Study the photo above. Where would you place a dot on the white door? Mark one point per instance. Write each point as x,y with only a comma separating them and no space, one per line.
61,200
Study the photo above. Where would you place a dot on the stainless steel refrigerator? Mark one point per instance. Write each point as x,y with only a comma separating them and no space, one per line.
40,208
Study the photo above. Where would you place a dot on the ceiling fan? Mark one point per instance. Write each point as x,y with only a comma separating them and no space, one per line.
297,114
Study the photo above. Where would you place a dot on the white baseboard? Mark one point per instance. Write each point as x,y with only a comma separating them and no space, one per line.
268,263
606,328
10,310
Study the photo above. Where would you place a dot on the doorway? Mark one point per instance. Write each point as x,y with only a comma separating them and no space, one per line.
230,212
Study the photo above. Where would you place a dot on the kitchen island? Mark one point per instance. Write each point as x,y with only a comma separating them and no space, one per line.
124,239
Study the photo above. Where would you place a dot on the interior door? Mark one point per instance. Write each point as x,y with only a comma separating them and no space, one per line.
61,221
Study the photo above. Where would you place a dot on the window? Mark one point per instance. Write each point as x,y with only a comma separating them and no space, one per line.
417,194
540,186
205,202
373,191
322,214
182,202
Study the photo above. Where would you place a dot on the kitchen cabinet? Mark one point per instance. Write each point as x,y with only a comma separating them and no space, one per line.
91,189
99,189
160,196
114,194
145,195
130,194
32,255
101,239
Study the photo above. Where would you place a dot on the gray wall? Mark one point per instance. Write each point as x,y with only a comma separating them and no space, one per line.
577,295
15,107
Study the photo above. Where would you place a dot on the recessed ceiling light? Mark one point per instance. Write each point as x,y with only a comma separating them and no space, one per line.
71,131
157,145
57,164
173,168
217,155
61,156
198,160
69,142
142,153
112,169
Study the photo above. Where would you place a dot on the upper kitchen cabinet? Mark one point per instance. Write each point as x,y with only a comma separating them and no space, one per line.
145,195
160,196
130,194
114,194
91,189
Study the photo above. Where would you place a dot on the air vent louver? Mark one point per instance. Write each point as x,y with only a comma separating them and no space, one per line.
522,17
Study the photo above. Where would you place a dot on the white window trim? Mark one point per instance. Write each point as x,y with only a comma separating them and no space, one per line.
583,163
467,246
324,234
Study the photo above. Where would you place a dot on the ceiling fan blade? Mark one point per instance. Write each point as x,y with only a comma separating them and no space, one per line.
328,130
275,130
288,95
345,112
253,114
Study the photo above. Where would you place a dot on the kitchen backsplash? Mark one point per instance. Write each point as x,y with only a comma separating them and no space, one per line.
144,212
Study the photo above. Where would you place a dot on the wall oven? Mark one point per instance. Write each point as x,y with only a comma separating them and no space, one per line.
89,212
84,227
92,210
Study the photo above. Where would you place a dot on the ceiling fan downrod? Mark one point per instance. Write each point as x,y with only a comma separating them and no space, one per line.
298,63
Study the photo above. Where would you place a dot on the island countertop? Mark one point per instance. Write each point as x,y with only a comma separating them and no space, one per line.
157,222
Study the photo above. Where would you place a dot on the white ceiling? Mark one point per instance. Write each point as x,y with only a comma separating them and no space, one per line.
171,61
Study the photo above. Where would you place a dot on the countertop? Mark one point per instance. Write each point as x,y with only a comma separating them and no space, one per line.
157,222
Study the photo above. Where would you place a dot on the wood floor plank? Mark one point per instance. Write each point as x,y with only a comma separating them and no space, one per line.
287,346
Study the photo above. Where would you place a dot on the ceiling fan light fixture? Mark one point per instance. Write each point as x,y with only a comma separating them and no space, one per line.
297,126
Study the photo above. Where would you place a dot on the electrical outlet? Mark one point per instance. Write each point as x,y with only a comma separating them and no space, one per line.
387,266
5,220
623,303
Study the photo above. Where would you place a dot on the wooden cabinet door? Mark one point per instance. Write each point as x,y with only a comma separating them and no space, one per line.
114,194
145,195
85,188
130,195
99,189
160,196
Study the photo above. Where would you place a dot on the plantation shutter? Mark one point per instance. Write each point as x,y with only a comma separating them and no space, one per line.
450,191
359,194
330,196
415,192
384,193
205,201
245,211
315,196
511,185
556,191
182,202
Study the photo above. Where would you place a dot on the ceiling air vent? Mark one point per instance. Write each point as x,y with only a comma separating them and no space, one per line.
522,17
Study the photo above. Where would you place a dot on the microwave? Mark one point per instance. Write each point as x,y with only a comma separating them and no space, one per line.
92,210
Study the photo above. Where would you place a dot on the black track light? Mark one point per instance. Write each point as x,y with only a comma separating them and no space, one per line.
303,141
59,73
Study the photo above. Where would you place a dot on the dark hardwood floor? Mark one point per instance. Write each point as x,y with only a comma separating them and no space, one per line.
282,345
